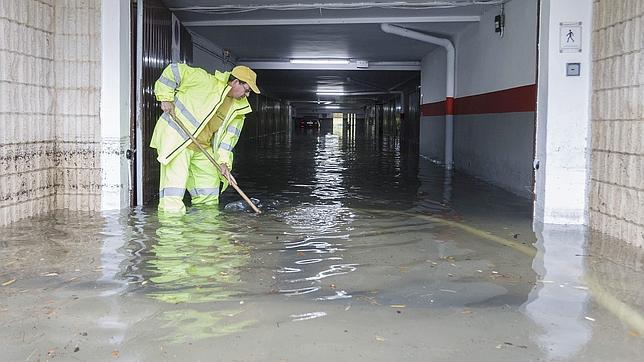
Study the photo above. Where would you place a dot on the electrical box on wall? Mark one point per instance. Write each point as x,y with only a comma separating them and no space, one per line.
499,23
573,69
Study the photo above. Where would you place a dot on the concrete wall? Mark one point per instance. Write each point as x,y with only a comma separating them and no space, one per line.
432,90
498,148
563,114
487,62
493,134
617,180
28,98
77,62
50,88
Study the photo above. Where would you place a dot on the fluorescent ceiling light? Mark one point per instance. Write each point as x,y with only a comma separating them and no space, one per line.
330,93
332,107
319,61
330,88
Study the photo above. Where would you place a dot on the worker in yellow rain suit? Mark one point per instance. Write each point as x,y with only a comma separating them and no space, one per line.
210,106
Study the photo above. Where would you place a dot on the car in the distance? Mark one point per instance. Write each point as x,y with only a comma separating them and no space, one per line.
308,123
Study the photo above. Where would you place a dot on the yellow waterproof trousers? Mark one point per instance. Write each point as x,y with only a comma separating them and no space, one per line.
189,170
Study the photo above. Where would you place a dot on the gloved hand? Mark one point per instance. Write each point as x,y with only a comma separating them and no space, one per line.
168,107
226,173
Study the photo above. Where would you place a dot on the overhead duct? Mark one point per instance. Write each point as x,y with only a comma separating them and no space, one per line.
449,89
396,5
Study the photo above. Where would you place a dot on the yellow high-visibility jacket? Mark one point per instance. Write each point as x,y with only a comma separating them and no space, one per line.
197,95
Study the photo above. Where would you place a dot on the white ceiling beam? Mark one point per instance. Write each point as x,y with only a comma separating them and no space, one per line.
403,65
325,21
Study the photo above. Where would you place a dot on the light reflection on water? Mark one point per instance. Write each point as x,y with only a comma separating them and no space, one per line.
351,229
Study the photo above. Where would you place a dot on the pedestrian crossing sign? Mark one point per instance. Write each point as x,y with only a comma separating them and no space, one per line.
570,37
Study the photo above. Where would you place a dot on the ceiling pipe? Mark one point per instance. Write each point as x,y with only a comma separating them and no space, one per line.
332,21
449,90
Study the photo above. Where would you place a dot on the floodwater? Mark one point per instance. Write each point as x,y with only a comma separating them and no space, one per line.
362,252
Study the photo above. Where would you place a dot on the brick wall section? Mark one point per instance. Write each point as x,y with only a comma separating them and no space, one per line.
49,117
77,59
27,101
617,179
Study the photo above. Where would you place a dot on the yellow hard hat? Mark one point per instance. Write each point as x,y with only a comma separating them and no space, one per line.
246,75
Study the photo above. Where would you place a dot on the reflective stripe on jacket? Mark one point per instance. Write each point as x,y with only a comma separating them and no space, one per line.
197,95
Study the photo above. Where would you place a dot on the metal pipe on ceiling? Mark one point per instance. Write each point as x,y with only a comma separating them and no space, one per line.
400,5
336,20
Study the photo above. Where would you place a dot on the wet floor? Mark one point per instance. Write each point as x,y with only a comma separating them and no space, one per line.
363,252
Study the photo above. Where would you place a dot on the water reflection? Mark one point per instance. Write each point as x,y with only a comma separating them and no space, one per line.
321,225
187,325
354,237
558,302
194,259
329,170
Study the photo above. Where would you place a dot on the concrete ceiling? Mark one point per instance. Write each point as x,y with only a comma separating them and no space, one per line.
266,36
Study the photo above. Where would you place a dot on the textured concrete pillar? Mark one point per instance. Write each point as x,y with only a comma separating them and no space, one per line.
77,60
27,93
617,180
50,86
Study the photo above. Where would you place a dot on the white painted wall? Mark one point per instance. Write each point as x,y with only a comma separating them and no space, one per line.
432,138
563,118
433,76
115,104
432,89
496,147
485,62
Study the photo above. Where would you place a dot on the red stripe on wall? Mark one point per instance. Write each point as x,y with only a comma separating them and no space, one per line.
433,109
519,99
